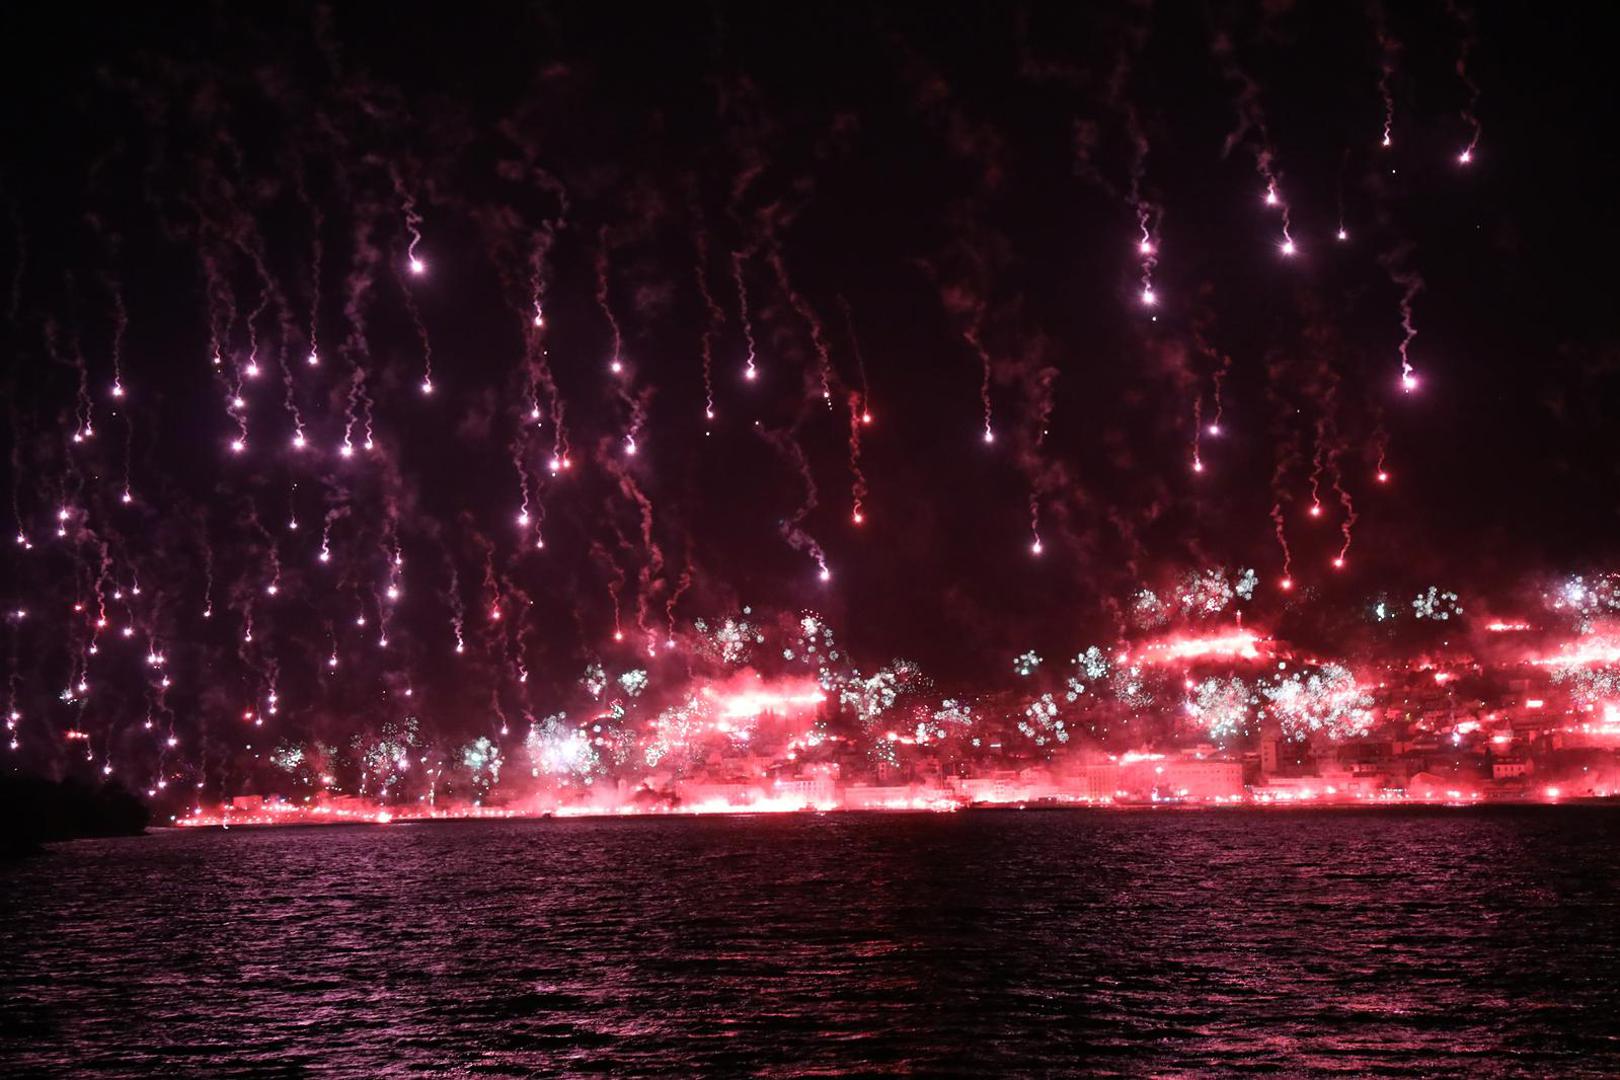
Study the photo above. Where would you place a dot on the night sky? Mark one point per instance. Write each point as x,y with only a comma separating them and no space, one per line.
894,183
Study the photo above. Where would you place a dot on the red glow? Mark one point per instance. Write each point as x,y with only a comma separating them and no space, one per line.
1236,645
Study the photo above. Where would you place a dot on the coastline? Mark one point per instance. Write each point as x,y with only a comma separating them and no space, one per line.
299,818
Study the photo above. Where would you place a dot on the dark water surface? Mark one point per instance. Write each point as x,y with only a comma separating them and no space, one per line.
1479,942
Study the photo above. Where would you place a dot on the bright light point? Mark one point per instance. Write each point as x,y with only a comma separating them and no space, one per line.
1316,510
117,390
427,386
1288,247
1338,564
1149,298
299,442
618,635
1385,142
1465,157
237,403
1214,429
314,359
826,574
1286,583
539,320
418,266
708,414
1036,548
858,517
989,436
1198,466
630,447
126,498
238,446
616,367
1383,477
1271,197
751,374
866,418
1146,247
346,450
1409,382
556,464
252,371
523,517
1342,235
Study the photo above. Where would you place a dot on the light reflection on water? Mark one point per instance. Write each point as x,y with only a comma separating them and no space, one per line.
1477,942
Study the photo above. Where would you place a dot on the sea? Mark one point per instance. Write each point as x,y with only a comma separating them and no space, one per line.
1470,942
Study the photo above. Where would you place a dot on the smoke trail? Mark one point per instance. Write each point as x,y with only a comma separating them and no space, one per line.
1197,433
860,415
616,361
1318,463
69,356
1380,438
413,221
452,596
681,586
120,324
317,253
652,565
1411,283
1149,215
802,306
971,334
716,318
792,526
1389,48
415,313
17,470
524,517
1465,49
1349,521
750,366
1252,120
635,404
1286,441
616,581
538,367
357,286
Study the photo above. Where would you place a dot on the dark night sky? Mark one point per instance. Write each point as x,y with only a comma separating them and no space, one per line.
901,158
